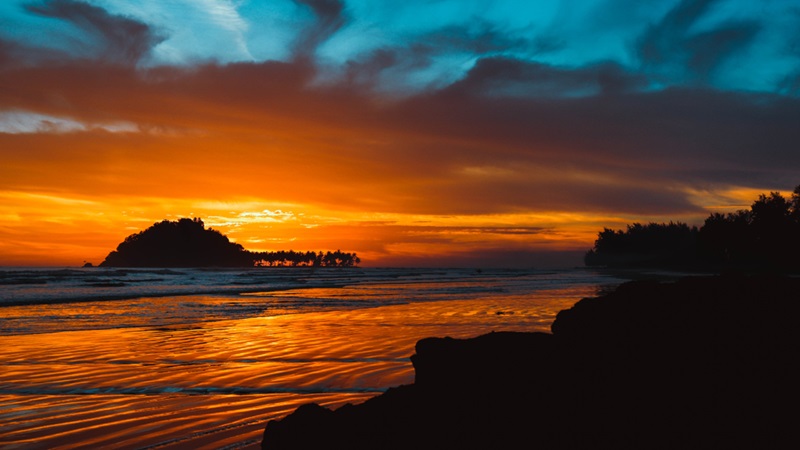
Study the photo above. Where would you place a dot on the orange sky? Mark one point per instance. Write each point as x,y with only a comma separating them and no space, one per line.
515,162
72,197
276,165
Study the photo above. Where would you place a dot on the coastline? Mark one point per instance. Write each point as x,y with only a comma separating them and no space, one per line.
706,361
46,285
191,383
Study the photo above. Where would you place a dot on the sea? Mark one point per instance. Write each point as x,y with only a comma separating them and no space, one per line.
203,358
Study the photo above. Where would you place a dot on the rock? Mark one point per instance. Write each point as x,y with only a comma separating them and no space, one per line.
704,362
182,243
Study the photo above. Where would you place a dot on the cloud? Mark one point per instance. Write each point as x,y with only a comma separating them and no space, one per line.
224,14
478,39
109,38
22,122
438,58
677,49
791,84
330,18
623,150
512,135
8,52
14,55
508,77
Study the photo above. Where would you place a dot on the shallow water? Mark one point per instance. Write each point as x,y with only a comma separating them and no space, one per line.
209,371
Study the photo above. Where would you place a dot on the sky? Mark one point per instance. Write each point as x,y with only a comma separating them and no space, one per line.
426,133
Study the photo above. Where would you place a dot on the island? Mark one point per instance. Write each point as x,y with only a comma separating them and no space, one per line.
188,243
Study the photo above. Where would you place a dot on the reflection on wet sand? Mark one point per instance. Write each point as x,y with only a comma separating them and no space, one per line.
215,384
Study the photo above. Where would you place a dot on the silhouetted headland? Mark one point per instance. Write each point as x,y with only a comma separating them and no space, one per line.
703,362
764,238
187,243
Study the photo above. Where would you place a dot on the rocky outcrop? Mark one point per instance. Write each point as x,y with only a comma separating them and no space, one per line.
704,362
182,243
188,243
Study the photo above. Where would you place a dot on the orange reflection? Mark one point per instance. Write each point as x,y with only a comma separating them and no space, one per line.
219,382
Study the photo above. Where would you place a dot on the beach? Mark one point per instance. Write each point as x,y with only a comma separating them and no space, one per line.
698,362
101,375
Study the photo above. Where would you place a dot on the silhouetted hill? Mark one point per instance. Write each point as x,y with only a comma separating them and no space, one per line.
704,362
185,243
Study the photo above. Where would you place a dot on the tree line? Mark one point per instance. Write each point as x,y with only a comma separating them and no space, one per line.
291,258
187,243
765,236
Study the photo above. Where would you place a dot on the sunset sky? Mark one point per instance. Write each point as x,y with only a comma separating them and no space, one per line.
413,132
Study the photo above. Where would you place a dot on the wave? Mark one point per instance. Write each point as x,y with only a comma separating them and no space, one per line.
23,286
27,286
50,300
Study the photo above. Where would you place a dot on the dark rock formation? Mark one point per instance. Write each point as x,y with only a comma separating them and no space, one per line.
187,243
184,243
704,362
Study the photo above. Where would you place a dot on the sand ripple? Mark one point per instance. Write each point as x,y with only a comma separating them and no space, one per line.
216,384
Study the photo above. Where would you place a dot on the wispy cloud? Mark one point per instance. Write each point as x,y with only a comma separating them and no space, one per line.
103,36
25,122
678,49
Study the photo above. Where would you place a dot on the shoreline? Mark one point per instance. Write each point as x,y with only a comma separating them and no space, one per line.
343,350
704,361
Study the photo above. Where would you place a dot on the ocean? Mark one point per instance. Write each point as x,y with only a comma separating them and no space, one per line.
204,358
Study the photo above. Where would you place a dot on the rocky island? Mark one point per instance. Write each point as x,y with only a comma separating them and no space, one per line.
188,243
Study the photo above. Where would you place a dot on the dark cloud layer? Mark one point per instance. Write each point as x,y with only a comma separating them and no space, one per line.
619,151
109,38
512,135
671,49
330,17
512,78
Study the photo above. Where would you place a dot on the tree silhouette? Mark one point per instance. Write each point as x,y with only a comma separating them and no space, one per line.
765,237
651,244
725,239
291,258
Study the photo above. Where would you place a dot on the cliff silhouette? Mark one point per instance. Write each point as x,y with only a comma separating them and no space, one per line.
188,243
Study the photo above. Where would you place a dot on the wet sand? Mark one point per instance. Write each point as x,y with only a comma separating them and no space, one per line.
216,384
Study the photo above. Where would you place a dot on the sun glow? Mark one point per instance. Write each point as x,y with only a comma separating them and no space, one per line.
731,199
65,229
